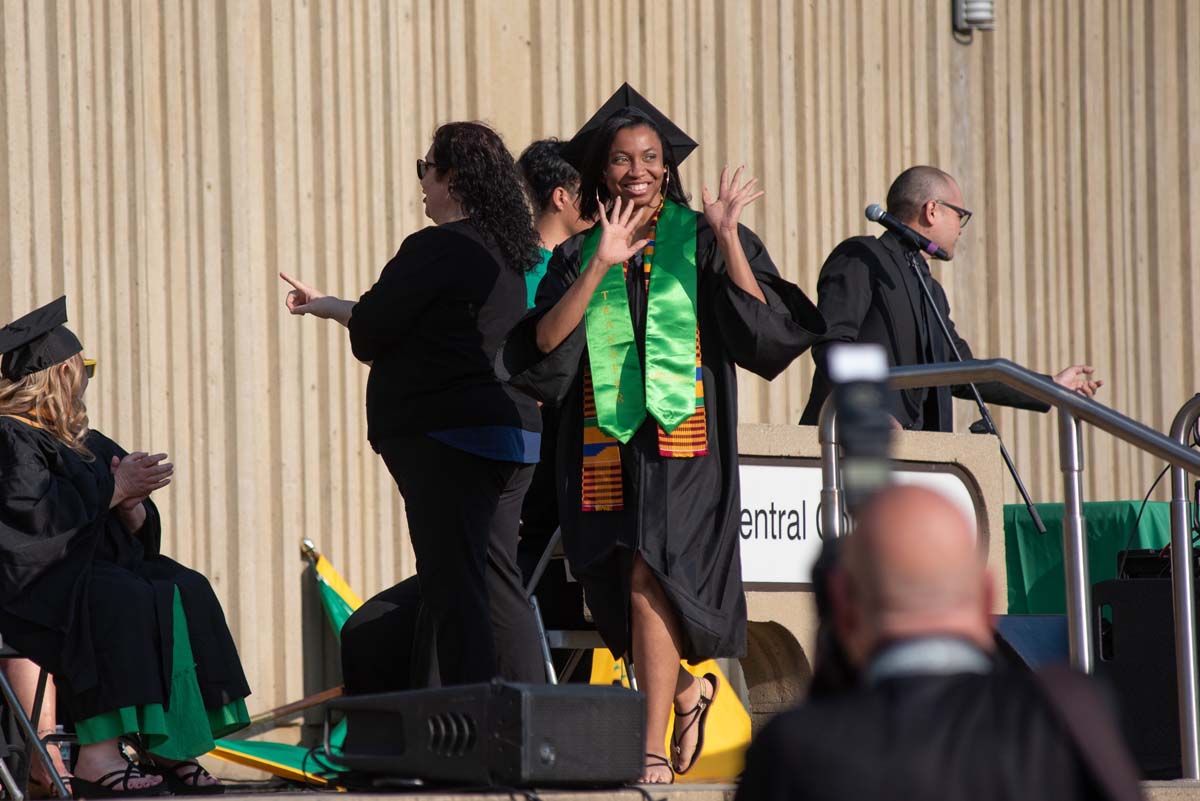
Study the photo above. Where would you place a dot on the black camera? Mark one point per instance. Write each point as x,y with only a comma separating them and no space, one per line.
864,422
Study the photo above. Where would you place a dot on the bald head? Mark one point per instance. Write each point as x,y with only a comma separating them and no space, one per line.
912,567
913,188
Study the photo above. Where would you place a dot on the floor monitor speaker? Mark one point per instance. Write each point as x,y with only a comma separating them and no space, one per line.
498,735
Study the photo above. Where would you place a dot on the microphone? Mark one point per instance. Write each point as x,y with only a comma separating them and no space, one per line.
875,213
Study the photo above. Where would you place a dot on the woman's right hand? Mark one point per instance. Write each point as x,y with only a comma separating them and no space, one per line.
138,475
617,228
303,299
616,235
300,300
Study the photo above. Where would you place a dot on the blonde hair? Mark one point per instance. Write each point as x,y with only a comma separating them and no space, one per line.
54,398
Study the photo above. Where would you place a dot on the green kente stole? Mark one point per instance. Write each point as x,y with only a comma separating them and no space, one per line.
667,389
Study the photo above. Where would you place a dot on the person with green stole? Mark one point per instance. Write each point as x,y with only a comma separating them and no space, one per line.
639,327
137,643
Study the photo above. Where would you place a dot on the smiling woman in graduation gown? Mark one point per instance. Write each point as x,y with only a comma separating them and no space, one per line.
636,492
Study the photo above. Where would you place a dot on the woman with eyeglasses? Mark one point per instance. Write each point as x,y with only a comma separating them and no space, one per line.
137,643
639,327
460,444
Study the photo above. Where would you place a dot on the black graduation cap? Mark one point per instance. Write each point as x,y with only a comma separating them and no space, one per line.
37,341
626,97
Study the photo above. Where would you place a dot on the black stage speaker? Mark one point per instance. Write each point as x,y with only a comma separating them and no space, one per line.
1136,655
498,734
1032,641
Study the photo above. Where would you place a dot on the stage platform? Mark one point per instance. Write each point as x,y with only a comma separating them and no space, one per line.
677,792
1154,791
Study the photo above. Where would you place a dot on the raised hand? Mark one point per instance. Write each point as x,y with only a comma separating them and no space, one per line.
1079,378
302,297
616,236
724,211
138,475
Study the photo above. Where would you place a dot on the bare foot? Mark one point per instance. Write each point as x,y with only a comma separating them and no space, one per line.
657,770
98,759
686,731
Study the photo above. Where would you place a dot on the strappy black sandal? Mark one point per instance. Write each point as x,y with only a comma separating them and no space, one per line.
702,706
656,761
184,778
115,784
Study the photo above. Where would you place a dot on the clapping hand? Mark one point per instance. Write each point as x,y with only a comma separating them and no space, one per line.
138,475
617,229
724,211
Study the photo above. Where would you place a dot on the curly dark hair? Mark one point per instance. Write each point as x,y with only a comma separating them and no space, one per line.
545,170
485,181
596,161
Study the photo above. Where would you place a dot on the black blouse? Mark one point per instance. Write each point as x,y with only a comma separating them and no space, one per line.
430,328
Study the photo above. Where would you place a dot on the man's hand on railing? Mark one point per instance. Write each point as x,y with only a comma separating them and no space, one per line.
1078,377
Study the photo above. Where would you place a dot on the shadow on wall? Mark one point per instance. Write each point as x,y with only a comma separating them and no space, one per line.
776,670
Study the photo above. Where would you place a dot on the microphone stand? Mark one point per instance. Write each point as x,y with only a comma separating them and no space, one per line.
983,409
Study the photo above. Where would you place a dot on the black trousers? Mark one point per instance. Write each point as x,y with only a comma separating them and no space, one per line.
463,517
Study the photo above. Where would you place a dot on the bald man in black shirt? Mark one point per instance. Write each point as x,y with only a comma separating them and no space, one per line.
935,716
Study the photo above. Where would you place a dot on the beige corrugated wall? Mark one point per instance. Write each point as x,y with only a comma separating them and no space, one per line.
160,161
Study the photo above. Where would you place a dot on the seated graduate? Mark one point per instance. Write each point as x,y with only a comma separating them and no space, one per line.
137,643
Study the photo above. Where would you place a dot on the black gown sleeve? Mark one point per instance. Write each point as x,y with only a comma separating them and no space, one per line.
150,534
545,377
151,531
41,511
844,293
992,391
409,283
763,338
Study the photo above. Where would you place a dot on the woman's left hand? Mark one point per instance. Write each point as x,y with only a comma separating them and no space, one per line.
725,210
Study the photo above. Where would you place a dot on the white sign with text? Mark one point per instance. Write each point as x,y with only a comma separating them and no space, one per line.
778,523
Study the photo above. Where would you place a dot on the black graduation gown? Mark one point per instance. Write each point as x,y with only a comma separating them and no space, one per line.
102,629
681,515
218,666
867,293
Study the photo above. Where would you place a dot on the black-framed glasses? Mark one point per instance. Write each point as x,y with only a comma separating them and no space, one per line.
963,214
423,167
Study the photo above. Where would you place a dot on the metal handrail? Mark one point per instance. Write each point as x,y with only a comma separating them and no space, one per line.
1183,591
1042,388
1073,408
